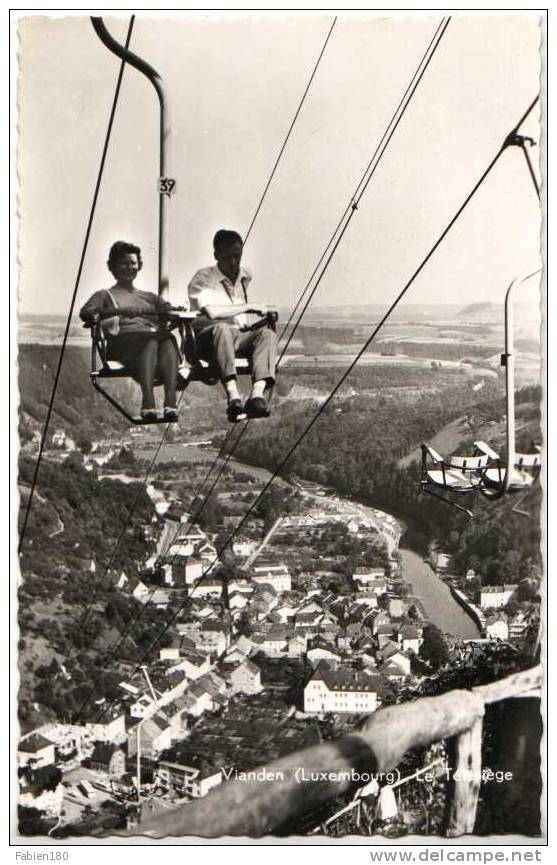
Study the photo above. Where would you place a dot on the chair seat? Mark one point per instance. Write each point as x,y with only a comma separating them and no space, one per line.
518,481
452,480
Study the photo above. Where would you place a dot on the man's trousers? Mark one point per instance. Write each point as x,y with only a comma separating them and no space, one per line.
221,344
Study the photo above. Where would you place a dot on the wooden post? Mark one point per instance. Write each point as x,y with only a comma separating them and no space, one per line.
466,768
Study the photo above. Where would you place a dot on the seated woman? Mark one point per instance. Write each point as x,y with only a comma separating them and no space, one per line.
135,336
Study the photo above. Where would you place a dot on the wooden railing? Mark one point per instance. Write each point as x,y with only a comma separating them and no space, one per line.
255,808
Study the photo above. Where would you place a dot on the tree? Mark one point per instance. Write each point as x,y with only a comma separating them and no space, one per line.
434,647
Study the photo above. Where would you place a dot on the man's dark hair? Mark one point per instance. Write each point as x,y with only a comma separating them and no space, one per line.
224,238
120,248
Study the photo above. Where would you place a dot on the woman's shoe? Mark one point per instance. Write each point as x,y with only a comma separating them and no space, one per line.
148,414
170,414
256,407
235,411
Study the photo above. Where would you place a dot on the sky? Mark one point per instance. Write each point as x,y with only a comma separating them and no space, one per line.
234,83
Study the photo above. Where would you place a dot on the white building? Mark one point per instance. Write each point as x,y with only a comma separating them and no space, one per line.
35,750
341,690
189,780
494,597
243,549
246,678
371,578
497,627
106,724
276,576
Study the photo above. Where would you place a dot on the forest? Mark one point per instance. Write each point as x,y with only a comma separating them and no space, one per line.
354,450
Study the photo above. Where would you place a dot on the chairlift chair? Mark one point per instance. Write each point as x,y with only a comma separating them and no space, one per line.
459,475
198,370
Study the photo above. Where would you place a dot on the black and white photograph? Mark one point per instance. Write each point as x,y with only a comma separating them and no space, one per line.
279,417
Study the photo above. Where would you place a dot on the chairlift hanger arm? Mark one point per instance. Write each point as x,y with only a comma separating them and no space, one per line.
131,58
166,184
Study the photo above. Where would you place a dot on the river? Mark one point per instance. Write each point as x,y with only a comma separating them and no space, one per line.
440,606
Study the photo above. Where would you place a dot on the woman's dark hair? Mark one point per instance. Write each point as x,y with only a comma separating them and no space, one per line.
120,248
224,238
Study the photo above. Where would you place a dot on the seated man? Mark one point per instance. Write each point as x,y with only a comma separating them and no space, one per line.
220,293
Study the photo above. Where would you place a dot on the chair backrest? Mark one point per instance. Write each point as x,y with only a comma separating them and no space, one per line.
527,461
467,463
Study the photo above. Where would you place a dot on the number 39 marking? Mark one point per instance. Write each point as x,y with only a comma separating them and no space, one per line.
166,185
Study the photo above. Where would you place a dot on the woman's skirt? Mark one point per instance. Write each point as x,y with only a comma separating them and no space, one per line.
127,347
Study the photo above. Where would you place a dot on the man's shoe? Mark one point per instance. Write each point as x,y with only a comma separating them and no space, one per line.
235,411
171,415
256,407
148,415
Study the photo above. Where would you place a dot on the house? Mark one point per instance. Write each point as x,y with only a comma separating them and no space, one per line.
188,780
371,578
497,627
138,590
493,597
35,750
237,601
161,598
311,606
235,655
297,645
368,597
209,587
409,638
274,640
397,607
245,644
198,700
243,549
108,758
285,612
245,678
177,714
193,570
342,690
517,625
180,646
213,637
276,576
391,672
194,665
240,585
206,550
320,650
143,707
107,724
181,547
384,634
442,562
382,618
392,654
175,683
155,735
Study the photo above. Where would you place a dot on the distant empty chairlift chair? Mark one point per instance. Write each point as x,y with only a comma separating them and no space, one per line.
459,475
485,472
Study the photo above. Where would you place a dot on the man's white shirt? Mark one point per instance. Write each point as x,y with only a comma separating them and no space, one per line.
210,287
